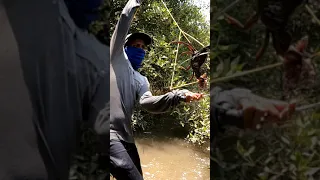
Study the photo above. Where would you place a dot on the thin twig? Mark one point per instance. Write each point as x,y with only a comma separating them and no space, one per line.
183,32
175,62
193,38
185,61
224,10
309,106
243,73
313,14
174,20
235,75
188,84
218,40
246,72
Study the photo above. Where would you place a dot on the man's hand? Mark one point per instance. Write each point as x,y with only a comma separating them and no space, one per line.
247,110
258,111
190,96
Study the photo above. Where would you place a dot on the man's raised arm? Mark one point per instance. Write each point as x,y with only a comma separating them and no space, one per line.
122,28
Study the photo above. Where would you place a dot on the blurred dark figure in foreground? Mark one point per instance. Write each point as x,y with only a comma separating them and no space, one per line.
54,76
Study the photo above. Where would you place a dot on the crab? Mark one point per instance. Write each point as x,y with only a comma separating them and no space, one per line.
198,58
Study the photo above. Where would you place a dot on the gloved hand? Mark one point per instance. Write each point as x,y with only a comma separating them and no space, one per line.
242,108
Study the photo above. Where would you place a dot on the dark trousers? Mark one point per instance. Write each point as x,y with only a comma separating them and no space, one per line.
53,76
125,161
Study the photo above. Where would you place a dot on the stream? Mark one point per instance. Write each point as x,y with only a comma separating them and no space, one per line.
172,159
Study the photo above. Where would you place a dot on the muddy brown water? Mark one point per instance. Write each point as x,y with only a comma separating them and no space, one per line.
172,159
166,155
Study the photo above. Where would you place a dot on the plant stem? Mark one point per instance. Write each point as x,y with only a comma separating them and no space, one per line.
183,32
313,14
246,72
224,10
175,62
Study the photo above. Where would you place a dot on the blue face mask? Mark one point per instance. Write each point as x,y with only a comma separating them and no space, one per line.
135,55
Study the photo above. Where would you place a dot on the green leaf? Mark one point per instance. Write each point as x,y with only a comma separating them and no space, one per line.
285,140
235,62
226,66
312,171
220,68
228,48
250,151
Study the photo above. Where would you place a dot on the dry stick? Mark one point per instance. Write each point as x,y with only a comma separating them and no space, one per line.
193,38
312,14
175,21
236,75
225,10
305,107
175,63
246,72
183,32
185,61
185,85
239,74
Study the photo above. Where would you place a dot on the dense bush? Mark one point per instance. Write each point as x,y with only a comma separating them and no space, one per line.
288,152
153,18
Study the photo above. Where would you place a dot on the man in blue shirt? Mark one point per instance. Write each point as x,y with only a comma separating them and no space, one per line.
54,75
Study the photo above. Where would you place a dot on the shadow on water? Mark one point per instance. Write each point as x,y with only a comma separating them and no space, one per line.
165,154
